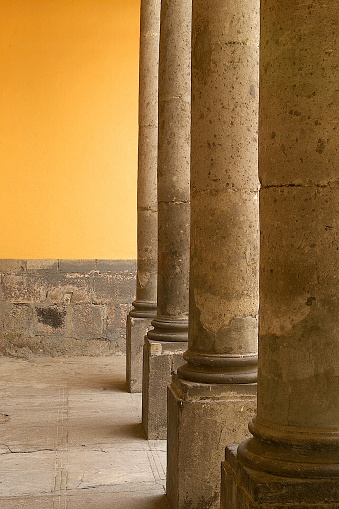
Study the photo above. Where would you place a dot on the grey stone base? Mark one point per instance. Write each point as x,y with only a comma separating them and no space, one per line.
244,488
203,419
161,360
136,330
64,307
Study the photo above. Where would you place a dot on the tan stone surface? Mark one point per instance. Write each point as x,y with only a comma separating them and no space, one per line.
148,151
160,361
224,258
136,330
224,178
299,203
174,158
72,435
299,324
251,489
301,121
147,231
173,274
203,418
296,429
171,323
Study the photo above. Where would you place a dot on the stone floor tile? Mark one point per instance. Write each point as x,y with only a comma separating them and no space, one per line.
27,473
107,466
133,500
72,438
43,502
24,439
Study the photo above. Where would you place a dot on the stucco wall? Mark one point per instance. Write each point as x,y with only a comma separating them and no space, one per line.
68,128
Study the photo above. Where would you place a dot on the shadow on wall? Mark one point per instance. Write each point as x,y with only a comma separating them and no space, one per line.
65,307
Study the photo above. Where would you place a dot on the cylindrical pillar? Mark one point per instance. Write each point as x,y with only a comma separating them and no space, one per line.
144,307
223,306
146,292
296,430
171,322
214,393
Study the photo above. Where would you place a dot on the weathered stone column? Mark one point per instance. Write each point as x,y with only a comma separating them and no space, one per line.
292,460
144,307
166,343
213,395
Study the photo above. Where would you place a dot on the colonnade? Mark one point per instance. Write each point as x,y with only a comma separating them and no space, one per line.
290,458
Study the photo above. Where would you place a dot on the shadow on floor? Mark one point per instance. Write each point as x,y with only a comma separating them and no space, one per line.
160,502
89,433
88,501
134,430
108,385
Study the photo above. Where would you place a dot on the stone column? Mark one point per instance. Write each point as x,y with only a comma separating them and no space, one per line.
213,395
292,460
144,307
166,343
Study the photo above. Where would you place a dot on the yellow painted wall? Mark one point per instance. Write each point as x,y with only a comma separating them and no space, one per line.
68,128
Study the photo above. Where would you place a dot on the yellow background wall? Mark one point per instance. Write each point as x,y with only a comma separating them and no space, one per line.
68,128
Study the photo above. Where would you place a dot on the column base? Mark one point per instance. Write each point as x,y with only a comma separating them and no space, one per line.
244,488
136,330
161,360
202,419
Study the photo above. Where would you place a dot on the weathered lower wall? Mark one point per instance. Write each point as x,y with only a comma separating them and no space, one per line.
65,307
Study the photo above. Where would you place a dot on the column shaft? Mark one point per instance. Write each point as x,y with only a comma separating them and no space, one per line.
296,430
148,155
215,391
171,323
174,166
224,194
144,307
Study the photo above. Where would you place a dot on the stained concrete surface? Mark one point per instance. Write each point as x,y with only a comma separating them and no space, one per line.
71,437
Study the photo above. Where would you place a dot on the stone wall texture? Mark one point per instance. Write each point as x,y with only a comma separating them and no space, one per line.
65,307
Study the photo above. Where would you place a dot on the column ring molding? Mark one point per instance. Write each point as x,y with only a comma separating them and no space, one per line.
313,461
167,329
219,369
291,451
143,309
221,360
292,435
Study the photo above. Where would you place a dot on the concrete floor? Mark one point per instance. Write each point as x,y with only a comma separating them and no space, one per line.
71,438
